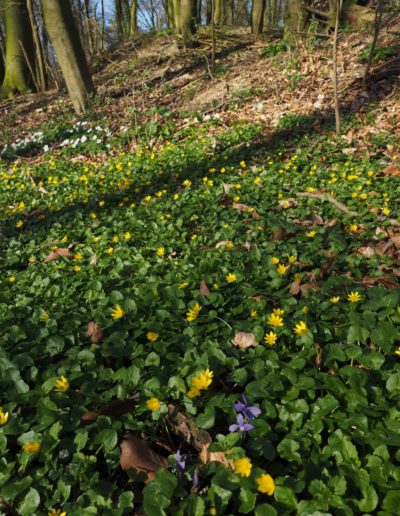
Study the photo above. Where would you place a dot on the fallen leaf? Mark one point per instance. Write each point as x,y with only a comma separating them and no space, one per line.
244,340
135,453
204,290
295,287
93,260
278,235
57,253
221,244
205,457
241,207
380,280
185,427
368,251
288,203
227,187
391,170
94,332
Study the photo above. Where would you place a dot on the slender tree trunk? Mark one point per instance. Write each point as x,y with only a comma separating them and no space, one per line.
41,71
199,7
133,18
334,74
186,15
170,14
2,44
1,67
64,37
257,16
219,12
103,24
177,17
209,8
19,48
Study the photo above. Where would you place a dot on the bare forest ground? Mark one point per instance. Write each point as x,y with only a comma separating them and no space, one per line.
154,71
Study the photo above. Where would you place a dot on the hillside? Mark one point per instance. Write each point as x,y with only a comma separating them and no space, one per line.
199,288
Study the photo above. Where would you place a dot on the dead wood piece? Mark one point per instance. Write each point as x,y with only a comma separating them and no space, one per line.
325,197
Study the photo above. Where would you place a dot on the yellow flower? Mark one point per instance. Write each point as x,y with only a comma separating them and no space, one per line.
242,164
56,512
115,239
354,297
19,224
160,251
203,380
193,237
110,250
275,321
127,235
193,312
229,245
292,259
397,352
31,259
32,447
334,299
101,203
78,256
44,317
253,314
152,336
305,309
231,278
77,268
270,338
153,404
183,285
275,260
187,183
353,228
266,484
311,234
281,269
11,279
301,328
147,198
3,417
117,312
93,216
278,311
242,467
62,384
193,393
386,211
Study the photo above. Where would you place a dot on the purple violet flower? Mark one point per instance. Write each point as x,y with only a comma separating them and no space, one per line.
196,477
240,425
246,409
180,462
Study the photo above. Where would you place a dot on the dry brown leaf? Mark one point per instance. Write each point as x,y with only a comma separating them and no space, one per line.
57,253
278,235
256,298
221,244
93,260
380,280
205,457
368,251
94,332
288,203
244,340
295,287
255,215
204,290
135,453
227,187
185,427
391,170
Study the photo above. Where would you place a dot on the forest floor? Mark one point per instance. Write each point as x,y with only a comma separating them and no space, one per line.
198,236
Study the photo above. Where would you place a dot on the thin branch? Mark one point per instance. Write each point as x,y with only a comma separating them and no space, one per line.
29,66
324,197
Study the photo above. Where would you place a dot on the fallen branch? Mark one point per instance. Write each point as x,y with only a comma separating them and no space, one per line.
324,197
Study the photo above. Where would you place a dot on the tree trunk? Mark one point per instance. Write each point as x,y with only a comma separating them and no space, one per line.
64,37
133,18
177,17
199,7
1,67
186,19
19,48
170,14
209,12
219,12
41,71
257,16
293,16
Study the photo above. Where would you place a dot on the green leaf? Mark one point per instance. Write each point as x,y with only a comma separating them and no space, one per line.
393,383
265,509
12,490
207,419
370,500
125,500
30,504
287,449
357,333
247,501
286,496
391,502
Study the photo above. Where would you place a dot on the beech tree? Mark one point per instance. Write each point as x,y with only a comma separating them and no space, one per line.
64,37
187,17
133,18
19,49
257,16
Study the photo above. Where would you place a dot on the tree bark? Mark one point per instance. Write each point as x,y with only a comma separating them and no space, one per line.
187,14
19,48
257,16
133,18
64,37
219,12
41,71
1,67
170,14
177,17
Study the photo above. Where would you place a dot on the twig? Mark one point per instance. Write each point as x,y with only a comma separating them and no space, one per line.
316,34
29,66
323,197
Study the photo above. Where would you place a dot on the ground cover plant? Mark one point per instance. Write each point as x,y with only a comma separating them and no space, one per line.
220,323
